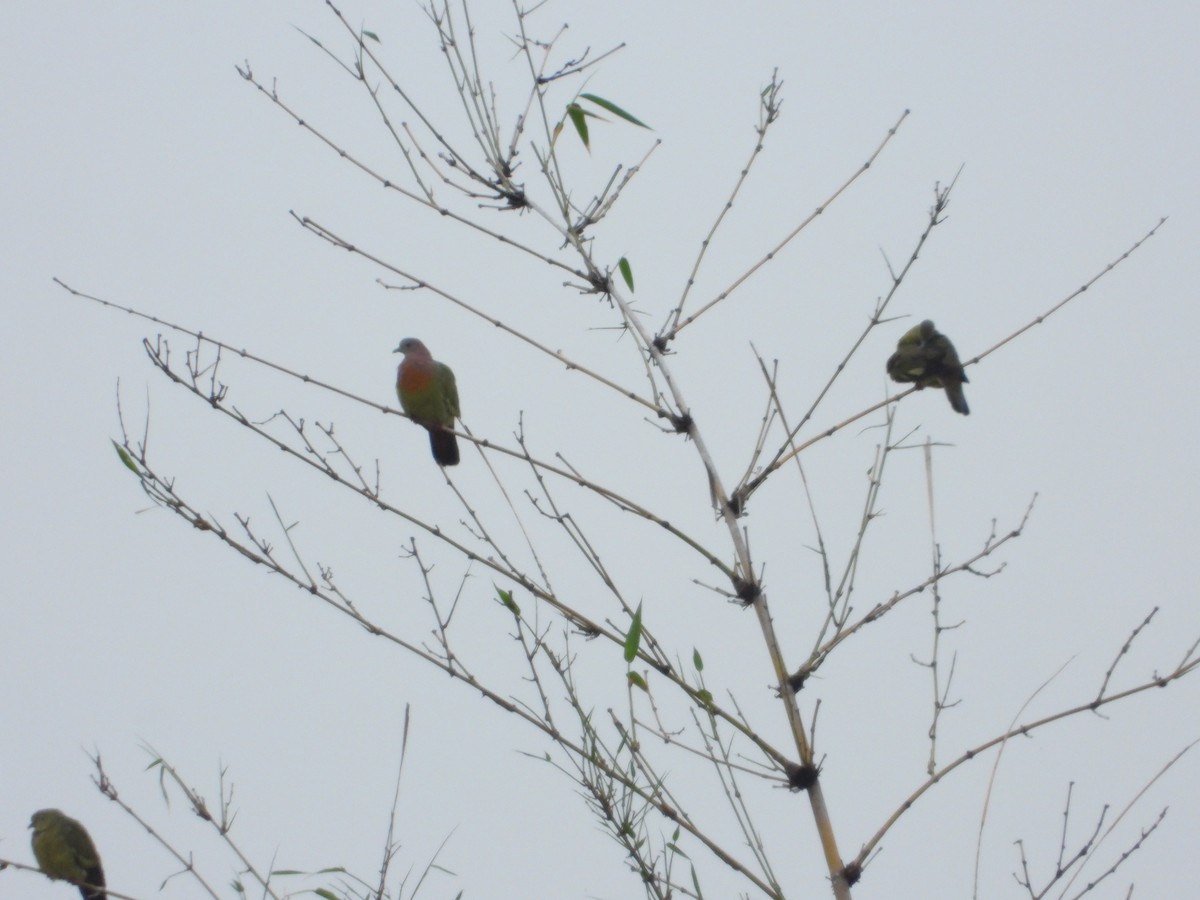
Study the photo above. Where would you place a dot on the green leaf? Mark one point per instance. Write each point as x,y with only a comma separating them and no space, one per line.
614,109
373,36
309,36
127,459
506,598
675,848
705,696
637,681
579,120
325,895
626,271
697,661
634,637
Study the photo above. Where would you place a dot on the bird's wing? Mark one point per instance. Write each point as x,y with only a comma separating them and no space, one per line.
449,390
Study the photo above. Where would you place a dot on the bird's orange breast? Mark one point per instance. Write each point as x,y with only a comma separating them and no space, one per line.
413,378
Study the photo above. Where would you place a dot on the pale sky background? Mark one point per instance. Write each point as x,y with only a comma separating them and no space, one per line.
138,166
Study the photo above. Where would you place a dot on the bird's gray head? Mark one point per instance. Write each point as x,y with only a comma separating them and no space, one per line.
408,344
927,329
43,816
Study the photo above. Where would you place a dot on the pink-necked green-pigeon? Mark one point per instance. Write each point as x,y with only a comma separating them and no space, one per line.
429,395
925,356
64,850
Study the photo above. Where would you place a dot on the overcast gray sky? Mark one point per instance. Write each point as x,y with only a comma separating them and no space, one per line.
138,166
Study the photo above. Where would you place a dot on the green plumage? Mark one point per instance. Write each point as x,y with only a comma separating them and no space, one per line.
436,402
64,851
926,357
429,395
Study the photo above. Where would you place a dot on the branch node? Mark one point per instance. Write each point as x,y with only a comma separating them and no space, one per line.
801,778
681,422
852,872
746,591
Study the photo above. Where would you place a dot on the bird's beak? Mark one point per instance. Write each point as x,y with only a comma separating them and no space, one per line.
397,350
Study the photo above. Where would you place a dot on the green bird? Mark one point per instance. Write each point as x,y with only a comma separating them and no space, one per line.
429,395
925,356
64,851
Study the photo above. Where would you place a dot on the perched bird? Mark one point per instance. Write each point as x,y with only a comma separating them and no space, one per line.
429,395
925,356
64,851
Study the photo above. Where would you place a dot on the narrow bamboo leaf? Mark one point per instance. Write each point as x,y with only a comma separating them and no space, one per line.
127,459
373,36
678,850
626,271
634,637
579,120
697,661
309,36
637,681
614,109
506,598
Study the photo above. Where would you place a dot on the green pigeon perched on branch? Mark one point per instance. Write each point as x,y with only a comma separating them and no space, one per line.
429,395
925,356
64,851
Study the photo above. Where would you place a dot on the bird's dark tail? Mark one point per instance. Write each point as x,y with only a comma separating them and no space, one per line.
954,393
444,446
94,876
